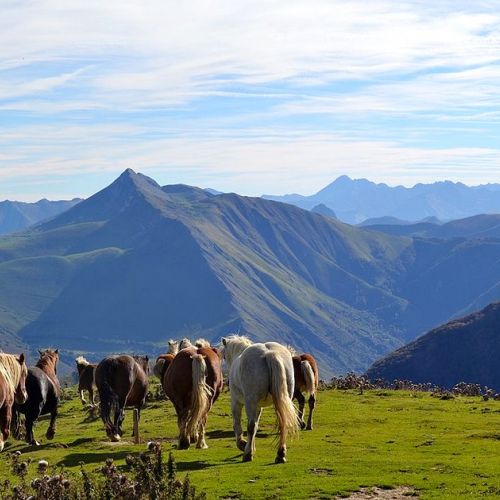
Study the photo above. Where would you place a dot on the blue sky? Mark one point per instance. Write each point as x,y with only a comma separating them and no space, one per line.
248,96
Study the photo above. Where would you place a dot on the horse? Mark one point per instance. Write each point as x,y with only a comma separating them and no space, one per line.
13,374
85,379
173,347
199,343
121,381
44,391
161,364
260,375
184,343
193,383
306,381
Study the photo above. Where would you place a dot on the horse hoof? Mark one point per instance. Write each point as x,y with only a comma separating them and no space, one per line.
302,425
50,434
280,460
241,444
115,438
203,446
247,458
309,428
34,443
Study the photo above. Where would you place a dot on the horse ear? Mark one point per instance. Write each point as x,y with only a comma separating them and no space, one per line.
146,358
57,351
223,340
21,358
40,352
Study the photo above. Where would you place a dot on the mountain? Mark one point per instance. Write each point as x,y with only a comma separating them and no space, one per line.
463,350
16,215
323,210
356,200
478,226
138,263
386,220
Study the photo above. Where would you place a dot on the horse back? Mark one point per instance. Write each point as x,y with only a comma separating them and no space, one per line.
178,378
42,392
86,376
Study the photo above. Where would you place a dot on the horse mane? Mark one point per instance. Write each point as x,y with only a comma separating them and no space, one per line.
184,343
81,361
291,350
199,343
11,370
234,345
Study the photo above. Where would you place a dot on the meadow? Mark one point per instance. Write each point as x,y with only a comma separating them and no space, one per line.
443,448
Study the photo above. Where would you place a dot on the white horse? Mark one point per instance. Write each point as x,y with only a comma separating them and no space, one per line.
260,375
173,347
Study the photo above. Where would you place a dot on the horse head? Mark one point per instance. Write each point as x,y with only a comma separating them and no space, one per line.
21,394
48,358
233,346
173,346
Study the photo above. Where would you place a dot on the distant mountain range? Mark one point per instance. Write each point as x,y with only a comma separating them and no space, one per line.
137,264
478,226
16,215
464,350
356,200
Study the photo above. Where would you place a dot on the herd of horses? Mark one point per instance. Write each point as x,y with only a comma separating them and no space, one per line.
259,375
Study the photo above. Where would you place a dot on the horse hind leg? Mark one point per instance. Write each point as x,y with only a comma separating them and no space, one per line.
312,405
82,397
253,416
51,431
201,443
236,409
184,439
302,401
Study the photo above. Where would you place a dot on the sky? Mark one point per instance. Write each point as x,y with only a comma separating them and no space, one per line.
272,96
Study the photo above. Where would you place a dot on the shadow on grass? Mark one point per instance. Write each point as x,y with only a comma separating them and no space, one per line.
219,434
196,465
74,459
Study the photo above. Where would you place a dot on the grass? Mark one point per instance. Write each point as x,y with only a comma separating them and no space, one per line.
442,448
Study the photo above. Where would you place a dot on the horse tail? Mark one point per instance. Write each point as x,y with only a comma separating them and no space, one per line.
309,378
285,411
108,398
200,401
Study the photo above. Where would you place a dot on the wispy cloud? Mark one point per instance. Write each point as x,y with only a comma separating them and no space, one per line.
396,91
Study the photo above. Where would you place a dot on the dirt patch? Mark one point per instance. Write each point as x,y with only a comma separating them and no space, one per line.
403,492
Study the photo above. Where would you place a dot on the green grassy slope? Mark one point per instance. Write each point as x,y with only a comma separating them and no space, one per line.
443,448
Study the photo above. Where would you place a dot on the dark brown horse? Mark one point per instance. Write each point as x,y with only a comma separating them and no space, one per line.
13,374
305,370
193,383
85,379
43,391
121,381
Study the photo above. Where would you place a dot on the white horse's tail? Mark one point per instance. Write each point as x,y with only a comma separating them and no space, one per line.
309,378
285,411
200,401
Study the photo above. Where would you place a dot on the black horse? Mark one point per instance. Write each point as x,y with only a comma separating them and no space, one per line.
43,391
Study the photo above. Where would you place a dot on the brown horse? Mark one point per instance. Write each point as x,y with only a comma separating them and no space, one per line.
305,370
193,383
85,379
161,364
44,391
121,381
13,374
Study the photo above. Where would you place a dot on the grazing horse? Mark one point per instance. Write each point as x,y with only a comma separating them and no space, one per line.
306,381
260,375
85,379
43,391
13,374
121,381
193,383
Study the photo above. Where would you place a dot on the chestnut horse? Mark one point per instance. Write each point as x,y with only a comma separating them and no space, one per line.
85,379
260,375
43,391
193,383
305,370
121,381
13,374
